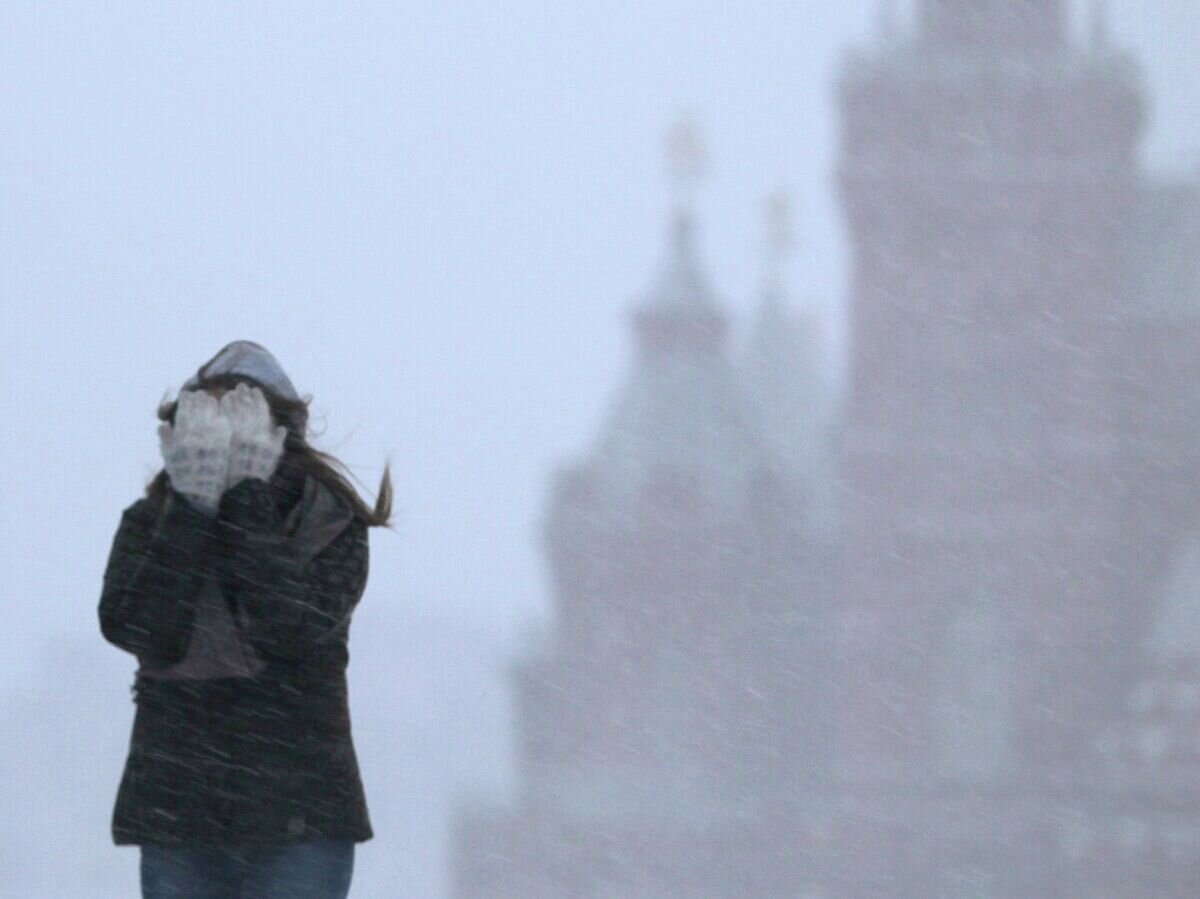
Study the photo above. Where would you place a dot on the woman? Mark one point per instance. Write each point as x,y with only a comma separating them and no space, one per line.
233,581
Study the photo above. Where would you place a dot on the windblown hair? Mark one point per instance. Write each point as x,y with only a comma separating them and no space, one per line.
293,415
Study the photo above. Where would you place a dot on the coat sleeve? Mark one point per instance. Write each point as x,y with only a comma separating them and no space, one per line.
156,567
292,605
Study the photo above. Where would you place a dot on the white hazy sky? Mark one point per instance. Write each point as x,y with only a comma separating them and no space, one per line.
436,215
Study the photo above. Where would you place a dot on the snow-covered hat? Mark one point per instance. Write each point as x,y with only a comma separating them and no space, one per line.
245,357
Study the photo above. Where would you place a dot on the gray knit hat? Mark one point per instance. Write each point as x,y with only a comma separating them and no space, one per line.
245,357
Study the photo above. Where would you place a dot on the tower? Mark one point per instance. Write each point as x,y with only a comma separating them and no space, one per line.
784,367
987,169
667,729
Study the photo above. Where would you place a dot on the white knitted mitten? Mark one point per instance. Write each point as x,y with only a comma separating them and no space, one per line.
196,450
257,441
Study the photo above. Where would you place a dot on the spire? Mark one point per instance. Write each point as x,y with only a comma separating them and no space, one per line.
781,366
1100,32
687,162
780,240
682,282
680,418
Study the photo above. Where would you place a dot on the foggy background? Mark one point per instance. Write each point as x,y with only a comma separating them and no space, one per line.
436,216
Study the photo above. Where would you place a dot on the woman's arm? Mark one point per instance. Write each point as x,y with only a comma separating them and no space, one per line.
293,605
155,569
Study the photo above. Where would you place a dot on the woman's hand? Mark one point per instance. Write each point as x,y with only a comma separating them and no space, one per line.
257,443
196,450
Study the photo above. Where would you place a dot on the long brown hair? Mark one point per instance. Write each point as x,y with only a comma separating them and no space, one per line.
297,452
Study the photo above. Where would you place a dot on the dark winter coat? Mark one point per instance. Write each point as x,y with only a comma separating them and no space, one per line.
244,761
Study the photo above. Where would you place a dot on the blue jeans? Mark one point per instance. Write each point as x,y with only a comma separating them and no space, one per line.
308,869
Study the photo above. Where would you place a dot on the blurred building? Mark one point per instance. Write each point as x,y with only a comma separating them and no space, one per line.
944,641
686,678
